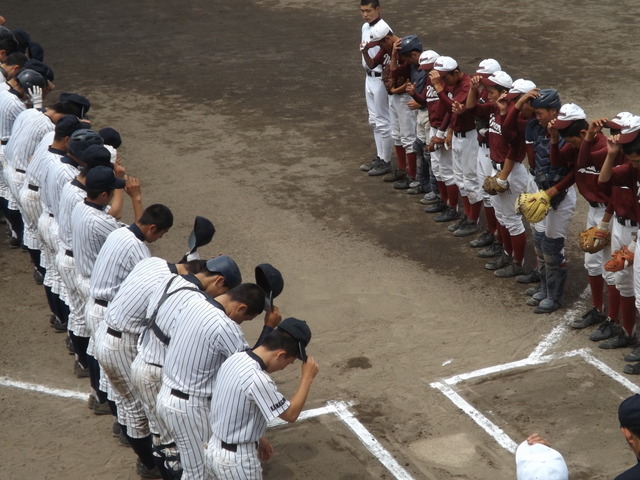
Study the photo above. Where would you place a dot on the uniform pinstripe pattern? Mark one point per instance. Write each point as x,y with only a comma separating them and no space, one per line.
71,195
37,167
28,130
120,253
90,228
10,107
58,175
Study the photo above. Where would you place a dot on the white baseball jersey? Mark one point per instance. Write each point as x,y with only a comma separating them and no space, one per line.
10,107
28,129
244,400
128,309
166,305
72,194
122,251
90,227
203,339
58,175
39,164
366,38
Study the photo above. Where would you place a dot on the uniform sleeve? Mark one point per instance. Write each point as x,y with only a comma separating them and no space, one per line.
264,393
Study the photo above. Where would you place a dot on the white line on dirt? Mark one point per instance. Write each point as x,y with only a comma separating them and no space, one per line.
340,409
487,425
604,368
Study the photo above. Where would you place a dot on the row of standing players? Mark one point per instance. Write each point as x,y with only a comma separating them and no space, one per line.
160,342
451,131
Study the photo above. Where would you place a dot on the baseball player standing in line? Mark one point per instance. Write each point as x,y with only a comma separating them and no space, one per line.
245,399
452,85
207,334
374,91
556,181
10,68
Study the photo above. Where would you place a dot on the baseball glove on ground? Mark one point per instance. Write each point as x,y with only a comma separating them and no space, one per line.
620,260
593,240
533,206
492,185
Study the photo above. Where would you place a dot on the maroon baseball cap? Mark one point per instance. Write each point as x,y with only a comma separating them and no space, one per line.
619,121
569,113
630,131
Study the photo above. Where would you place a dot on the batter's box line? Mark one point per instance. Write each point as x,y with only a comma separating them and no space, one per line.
339,409
446,388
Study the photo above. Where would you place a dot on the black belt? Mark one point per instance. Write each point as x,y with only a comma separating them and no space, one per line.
232,447
371,73
496,165
597,205
19,170
460,134
627,222
4,142
102,303
483,144
35,188
68,253
182,395
155,365
51,215
112,332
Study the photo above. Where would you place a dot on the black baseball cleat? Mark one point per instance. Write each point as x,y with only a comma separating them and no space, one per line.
448,215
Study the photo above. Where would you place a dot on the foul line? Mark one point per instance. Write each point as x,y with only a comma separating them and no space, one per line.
339,409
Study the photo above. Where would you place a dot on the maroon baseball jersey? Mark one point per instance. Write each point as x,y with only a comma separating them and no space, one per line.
588,165
459,122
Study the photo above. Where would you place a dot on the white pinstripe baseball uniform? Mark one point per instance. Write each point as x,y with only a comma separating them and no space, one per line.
244,400
28,130
72,194
166,305
31,206
10,107
117,338
90,227
203,339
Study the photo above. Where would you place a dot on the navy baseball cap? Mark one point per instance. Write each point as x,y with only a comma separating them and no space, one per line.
81,101
410,43
96,155
549,98
202,233
300,331
226,267
629,413
102,178
40,67
110,136
67,125
36,51
270,280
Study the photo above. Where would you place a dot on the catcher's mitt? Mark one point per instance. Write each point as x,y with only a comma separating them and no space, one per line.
593,240
533,206
620,260
492,186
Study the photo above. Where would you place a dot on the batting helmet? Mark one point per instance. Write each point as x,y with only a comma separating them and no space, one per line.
30,78
410,43
81,139
549,98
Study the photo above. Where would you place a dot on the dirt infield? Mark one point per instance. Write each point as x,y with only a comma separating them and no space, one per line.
252,114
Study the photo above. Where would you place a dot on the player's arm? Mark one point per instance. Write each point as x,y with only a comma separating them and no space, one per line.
613,147
118,195
296,404
271,320
132,188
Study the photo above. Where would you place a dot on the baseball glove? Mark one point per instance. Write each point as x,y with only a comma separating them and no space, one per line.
492,186
533,206
620,260
593,240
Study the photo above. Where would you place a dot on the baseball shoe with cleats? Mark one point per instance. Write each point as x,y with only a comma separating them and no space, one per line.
38,277
509,271
454,226
436,207
429,199
484,240
502,261
380,168
606,330
621,340
69,345
634,356
449,214
144,472
59,326
402,184
101,408
467,229
52,319
14,242
365,167
414,183
532,302
531,277
632,369
395,175
414,190
491,251
123,441
115,429
547,306
531,291
79,371
592,317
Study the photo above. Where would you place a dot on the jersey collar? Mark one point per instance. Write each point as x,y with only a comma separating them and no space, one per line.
137,232
57,151
249,352
77,183
70,161
97,206
190,277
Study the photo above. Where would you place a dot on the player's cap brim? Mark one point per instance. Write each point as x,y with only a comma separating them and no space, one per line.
561,124
426,66
628,137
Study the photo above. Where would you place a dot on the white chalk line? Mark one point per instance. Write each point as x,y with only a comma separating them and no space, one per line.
537,357
339,409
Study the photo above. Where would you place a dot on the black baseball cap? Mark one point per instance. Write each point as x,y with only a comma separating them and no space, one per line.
111,137
226,267
96,155
102,178
270,280
67,125
202,233
300,331
80,100
629,413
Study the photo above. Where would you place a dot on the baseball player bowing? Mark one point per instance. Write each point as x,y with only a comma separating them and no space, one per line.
245,399
207,333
